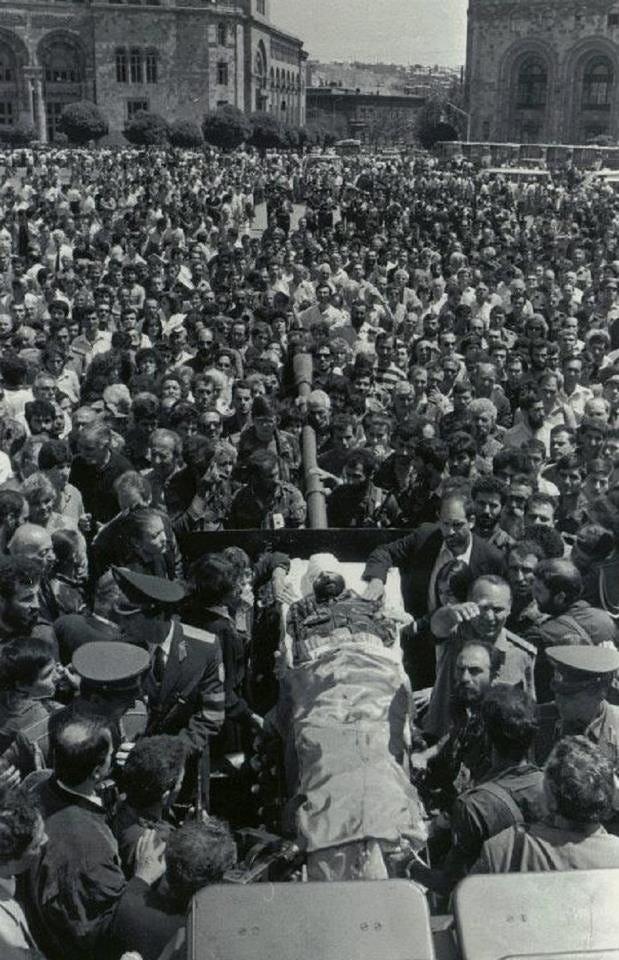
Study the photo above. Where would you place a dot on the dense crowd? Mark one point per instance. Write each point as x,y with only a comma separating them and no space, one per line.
155,329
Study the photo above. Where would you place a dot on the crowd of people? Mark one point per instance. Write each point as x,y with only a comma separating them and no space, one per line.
464,344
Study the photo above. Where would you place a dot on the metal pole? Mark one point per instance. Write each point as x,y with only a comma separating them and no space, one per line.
314,490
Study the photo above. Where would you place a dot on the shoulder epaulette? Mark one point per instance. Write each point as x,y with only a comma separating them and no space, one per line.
521,643
196,633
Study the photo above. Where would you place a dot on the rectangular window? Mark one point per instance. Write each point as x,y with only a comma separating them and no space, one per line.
613,19
135,106
121,65
53,110
262,7
6,73
6,114
135,63
222,74
151,67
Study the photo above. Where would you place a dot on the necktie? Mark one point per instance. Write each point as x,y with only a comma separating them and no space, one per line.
158,665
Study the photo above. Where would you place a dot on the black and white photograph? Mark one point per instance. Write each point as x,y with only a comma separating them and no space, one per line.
309,479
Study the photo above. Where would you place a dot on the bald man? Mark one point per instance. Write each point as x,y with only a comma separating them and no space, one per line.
33,544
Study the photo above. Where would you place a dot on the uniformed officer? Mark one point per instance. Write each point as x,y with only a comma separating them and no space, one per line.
184,685
581,682
111,674
481,618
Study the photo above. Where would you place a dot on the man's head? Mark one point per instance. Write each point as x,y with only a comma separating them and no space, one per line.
579,782
522,562
494,599
488,496
462,454
94,444
456,520
198,854
165,452
33,544
14,511
359,468
510,721
81,748
22,833
476,666
153,772
562,442
532,406
556,586
540,512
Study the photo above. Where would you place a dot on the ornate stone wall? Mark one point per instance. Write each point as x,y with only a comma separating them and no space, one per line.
180,58
543,70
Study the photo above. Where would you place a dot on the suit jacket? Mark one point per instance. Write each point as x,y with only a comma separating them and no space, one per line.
190,701
415,556
75,629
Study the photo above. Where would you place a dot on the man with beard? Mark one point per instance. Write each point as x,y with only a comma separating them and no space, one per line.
358,502
462,754
557,589
488,496
266,502
482,617
205,355
19,598
419,558
533,425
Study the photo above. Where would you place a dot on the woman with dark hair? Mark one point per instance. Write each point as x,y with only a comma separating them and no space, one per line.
28,673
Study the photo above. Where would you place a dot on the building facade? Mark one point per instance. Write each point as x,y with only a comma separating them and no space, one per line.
373,118
179,58
543,71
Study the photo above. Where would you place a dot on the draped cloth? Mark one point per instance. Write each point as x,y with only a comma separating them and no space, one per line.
345,716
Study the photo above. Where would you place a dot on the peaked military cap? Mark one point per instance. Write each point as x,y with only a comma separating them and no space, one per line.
111,665
141,587
581,666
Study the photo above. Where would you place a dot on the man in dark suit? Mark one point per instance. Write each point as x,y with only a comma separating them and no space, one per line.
419,558
185,685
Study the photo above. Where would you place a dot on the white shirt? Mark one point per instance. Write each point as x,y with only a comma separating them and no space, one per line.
444,556
165,646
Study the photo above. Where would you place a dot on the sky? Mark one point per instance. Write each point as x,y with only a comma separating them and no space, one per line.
391,31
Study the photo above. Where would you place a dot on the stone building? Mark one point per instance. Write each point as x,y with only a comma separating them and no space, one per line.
179,58
373,118
544,71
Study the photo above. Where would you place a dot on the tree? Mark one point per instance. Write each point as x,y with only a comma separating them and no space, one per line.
267,133
431,125
19,134
227,127
185,133
146,129
82,122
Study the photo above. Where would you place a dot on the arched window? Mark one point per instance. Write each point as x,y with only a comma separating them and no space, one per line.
121,65
61,64
532,83
598,81
221,34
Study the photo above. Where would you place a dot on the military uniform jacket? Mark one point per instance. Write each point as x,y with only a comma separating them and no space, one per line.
603,731
190,701
503,799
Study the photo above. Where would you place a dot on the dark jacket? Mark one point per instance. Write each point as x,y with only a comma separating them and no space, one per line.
96,485
146,920
415,556
71,893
